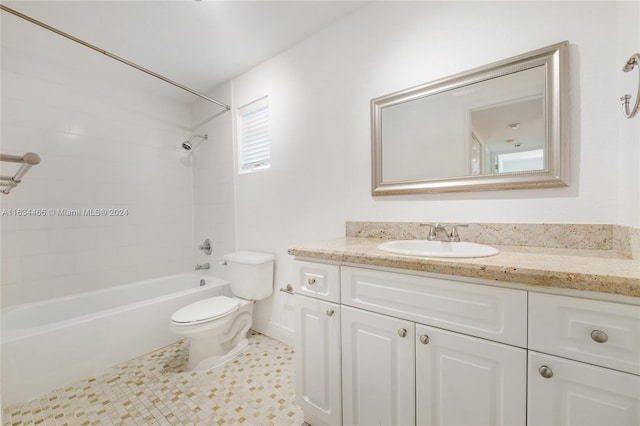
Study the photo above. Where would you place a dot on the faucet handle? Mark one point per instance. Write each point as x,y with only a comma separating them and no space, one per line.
206,247
454,236
432,231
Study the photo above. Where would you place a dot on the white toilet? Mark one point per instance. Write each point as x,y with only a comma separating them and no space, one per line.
217,327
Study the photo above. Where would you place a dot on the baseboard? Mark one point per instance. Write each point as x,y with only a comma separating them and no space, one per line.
275,331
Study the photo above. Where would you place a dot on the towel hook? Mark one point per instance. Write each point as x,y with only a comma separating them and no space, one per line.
631,63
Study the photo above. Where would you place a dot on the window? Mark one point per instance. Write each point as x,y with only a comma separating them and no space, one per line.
254,151
522,161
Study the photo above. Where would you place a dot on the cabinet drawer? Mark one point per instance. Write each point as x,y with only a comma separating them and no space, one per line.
489,312
317,280
601,333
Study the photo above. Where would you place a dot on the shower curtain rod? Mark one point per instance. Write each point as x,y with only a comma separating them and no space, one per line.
111,55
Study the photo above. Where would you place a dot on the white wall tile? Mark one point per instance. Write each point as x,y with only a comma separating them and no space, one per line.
34,115
119,276
68,284
47,265
98,259
24,243
15,222
17,294
101,147
72,239
11,271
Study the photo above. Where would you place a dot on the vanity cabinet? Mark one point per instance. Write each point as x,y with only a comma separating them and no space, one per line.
397,371
317,343
402,349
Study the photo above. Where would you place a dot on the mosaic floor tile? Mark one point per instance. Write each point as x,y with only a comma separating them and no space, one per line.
256,388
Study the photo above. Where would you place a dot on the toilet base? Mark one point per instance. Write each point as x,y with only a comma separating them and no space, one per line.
213,344
203,364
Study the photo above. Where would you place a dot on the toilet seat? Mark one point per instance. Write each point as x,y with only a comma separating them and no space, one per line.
205,310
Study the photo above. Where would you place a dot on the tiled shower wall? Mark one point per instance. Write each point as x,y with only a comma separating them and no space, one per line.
102,147
213,179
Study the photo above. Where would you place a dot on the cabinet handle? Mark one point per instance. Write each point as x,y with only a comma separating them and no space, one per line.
424,339
599,336
330,312
402,332
545,372
311,281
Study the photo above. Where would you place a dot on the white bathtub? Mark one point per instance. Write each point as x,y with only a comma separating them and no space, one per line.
46,345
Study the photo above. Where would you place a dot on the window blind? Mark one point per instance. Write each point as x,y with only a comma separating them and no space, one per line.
254,152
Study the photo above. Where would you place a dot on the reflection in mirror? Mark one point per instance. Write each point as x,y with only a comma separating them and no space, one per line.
496,127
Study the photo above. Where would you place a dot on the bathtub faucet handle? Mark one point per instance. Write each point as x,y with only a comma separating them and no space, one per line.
202,266
206,247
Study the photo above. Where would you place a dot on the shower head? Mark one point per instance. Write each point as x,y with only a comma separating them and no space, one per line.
188,145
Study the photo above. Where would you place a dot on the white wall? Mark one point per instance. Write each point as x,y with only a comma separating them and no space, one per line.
628,188
102,146
320,91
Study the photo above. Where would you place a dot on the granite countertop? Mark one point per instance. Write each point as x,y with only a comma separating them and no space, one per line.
602,271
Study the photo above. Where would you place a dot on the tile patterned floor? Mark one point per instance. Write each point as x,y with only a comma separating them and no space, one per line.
256,388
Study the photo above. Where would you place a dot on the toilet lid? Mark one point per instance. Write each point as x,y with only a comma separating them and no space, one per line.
205,310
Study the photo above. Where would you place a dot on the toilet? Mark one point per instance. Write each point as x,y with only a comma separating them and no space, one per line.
217,327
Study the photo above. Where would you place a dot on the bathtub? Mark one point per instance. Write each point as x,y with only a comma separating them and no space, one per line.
46,345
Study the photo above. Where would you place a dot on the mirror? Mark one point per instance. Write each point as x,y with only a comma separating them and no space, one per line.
501,126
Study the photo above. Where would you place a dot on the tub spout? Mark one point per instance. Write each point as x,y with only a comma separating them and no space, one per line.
202,266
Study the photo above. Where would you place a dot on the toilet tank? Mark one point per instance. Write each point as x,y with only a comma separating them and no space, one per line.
250,274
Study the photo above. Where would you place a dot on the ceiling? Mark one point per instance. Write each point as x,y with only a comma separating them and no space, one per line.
199,44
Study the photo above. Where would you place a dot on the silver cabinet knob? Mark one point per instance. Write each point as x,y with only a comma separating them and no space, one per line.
330,312
599,336
402,332
424,339
545,372
311,281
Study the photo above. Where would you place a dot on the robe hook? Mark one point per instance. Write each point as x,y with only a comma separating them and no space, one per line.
630,65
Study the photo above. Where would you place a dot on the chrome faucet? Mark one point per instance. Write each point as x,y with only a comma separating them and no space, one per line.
453,236
202,266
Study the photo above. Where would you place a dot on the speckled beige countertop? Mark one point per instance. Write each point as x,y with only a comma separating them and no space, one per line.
603,271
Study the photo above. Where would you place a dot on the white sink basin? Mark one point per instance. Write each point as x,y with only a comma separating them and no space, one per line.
426,248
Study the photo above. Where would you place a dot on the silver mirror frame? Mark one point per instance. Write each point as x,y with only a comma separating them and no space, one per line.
555,60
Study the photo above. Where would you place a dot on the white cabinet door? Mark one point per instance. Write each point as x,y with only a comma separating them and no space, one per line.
378,365
463,380
317,361
564,392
